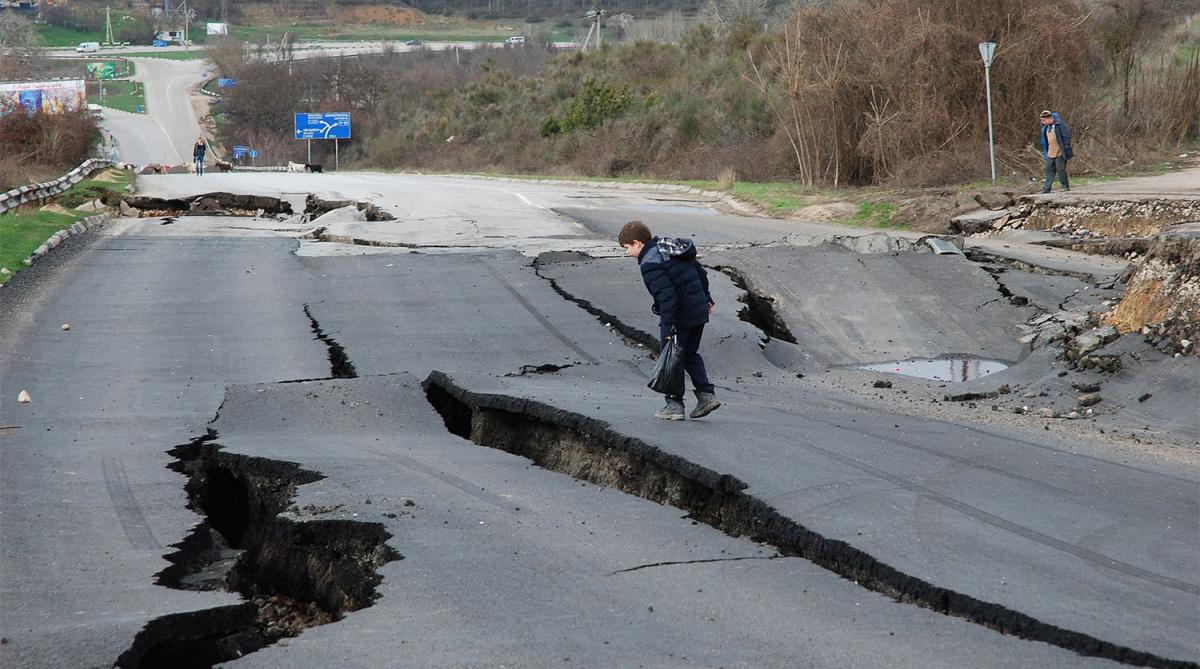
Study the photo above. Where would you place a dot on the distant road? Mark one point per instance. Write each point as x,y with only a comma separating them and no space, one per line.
165,134
301,50
167,131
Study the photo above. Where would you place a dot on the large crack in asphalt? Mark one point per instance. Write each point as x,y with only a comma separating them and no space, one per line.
588,449
293,574
631,335
759,309
340,366
985,258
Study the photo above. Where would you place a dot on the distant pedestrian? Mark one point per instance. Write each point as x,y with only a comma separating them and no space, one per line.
679,286
198,155
1055,139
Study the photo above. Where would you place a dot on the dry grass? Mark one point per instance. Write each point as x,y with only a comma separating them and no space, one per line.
726,179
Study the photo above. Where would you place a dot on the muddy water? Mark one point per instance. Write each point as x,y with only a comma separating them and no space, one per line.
949,369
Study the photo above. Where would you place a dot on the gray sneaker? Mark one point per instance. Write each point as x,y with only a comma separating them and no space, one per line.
706,403
672,411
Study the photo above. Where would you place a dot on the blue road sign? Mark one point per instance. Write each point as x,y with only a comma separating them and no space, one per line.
157,42
240,151
253,153
323,126
224,82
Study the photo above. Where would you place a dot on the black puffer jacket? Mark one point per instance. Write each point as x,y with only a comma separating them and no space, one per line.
678,283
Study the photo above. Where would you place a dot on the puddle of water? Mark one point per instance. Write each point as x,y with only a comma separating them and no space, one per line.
950,370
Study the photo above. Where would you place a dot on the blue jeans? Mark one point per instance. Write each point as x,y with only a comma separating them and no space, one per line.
693,364
1056,165
199,165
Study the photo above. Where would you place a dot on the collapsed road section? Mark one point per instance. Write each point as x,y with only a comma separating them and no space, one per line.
293,574
588,449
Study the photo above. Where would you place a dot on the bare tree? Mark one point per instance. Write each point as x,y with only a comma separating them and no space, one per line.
227,53
1123,28
725,14
19,55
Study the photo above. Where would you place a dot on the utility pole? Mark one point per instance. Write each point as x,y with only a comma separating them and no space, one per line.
595,15
108,34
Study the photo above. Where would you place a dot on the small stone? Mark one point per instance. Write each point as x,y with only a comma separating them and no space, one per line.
409,502
23,397
66,326
1089,400
1145,397
1073,415
5,271
1047,412
882,384
1086,387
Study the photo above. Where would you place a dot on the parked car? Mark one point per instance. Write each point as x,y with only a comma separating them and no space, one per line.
95,110
413,42
515,40
87,47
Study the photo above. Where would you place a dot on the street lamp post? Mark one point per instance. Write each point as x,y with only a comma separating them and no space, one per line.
987,49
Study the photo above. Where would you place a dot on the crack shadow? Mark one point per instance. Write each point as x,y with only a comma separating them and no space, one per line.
340,366
293,574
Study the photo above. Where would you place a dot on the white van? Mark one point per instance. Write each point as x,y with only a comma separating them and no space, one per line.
515,40
87,47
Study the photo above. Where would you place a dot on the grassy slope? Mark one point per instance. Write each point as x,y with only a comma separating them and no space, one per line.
123,95
24,230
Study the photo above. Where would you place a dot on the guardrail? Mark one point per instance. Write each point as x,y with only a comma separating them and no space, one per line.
39,192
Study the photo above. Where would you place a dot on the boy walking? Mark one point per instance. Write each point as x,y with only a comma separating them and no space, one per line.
679,286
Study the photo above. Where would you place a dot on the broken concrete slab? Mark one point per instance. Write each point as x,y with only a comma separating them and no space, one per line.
1093,339
979,220
207,204
315,207
345,214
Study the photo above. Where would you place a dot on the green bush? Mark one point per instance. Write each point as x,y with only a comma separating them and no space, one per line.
550,127
594,104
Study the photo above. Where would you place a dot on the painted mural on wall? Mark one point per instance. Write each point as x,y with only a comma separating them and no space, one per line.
51,97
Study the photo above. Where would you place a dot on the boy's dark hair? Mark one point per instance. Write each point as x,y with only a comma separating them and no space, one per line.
634,231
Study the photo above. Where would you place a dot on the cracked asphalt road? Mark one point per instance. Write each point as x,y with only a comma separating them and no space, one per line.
509,564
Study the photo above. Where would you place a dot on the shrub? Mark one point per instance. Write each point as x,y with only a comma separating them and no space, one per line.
38,145
594,104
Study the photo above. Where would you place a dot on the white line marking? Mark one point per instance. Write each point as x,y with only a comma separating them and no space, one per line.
526,200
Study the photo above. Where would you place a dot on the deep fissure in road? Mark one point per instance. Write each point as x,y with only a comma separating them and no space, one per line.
340,366
587,449
293,574
759,309
631,334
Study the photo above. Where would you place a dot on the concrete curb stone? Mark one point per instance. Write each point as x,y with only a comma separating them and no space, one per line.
78,228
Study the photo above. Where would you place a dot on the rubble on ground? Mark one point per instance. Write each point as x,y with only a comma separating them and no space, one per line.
207,204
1162,297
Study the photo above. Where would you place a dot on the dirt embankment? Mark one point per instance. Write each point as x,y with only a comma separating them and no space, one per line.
1113,218
1162,298
380,15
